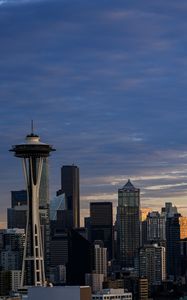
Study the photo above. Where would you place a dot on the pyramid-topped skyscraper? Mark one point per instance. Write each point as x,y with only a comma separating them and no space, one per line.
128,224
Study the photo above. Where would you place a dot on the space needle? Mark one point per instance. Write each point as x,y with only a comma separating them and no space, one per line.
33,152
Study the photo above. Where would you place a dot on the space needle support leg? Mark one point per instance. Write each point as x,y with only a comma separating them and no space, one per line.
39,273
40,249
24,162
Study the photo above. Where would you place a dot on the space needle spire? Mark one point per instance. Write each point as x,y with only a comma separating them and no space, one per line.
33,152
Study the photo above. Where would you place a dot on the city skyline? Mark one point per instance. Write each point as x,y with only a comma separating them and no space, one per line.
105,84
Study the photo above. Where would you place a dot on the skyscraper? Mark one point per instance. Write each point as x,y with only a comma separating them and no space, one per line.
169,210
44,185
100,258
11,252
156,227
128,224
80,256
153,264
101,224
59,236
33,154
16,215
18,198
70,187
173,246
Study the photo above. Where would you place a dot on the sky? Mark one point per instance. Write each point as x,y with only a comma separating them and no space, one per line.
105,83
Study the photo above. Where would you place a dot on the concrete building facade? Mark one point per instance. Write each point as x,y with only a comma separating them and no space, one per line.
59,293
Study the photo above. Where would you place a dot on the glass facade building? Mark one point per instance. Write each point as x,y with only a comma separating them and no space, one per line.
128,224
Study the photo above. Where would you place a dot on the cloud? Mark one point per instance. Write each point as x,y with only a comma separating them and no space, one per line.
105,84
166,186
18,2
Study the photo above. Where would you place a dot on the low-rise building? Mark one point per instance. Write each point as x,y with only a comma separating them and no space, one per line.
112,294
59,293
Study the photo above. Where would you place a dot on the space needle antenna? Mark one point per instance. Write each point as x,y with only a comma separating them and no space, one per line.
32,127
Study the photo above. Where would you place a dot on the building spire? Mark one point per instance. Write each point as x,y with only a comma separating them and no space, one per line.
129,185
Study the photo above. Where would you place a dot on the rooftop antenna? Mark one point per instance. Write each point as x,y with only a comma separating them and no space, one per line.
32,127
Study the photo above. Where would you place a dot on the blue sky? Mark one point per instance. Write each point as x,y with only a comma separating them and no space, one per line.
105,82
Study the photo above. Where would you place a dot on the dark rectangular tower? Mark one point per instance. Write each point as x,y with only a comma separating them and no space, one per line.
173,246
17,214
70,186
79,258
101,222
18,198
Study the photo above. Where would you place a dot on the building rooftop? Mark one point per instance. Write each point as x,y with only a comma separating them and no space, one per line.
129,186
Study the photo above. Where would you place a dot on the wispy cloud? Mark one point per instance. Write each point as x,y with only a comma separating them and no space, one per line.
17,2
165,186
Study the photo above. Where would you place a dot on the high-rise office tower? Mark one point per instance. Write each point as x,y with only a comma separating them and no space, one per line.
128,224
60,216
60,220
16,215
10,260
57,204
143,225
80,258
33,153
169,210
100,258
156,227
11,251
44,185
70,187
99,272
87,226
153,264
59,249
101,224
18,198
173,246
